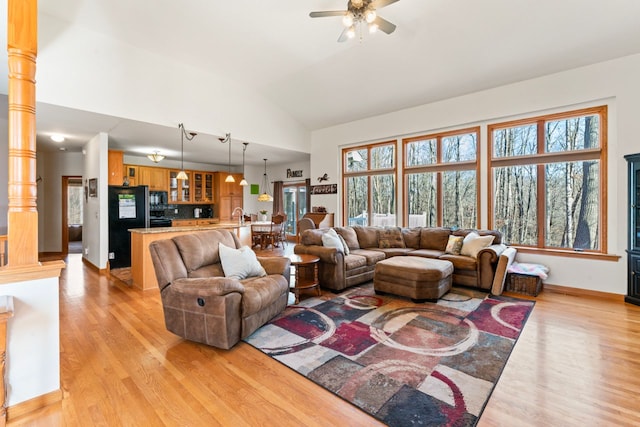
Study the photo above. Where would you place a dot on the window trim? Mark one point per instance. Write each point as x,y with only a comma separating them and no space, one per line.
368,173
439,167
542,158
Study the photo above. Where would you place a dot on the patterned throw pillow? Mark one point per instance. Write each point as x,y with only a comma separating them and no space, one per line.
454,245
390,238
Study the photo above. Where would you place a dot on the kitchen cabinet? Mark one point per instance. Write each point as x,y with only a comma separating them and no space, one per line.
115,167
184,222
202,187
131,173
179,189
155,178
227,196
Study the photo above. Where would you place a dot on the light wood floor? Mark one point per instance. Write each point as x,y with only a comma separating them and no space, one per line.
577,363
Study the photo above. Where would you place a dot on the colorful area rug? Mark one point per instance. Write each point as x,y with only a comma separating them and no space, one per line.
402,362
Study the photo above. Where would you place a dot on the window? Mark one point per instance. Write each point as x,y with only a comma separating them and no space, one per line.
547,180
441,179
369,174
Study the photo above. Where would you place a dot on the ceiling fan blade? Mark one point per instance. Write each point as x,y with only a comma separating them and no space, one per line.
384,25
327,13
379,4
343,35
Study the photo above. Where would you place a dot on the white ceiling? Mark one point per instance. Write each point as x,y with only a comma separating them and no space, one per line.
441,49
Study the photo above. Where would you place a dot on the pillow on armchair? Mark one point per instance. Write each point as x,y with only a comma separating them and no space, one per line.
240,263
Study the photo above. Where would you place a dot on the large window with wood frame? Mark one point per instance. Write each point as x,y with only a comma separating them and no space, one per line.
547,180
441,179
369,177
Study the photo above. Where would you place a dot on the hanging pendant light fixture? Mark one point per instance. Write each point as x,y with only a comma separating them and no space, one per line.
265,196
243,182
183,133
229,177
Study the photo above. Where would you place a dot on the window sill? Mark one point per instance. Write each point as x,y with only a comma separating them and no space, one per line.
568,253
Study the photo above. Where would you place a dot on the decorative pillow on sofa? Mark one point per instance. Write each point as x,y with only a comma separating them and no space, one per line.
330,239
240,263
349,235
474,243
390,237
347,251
454,245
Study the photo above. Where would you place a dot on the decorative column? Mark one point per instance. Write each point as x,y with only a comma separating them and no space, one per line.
22,46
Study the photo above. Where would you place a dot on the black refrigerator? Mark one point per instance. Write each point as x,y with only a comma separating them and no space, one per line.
128,208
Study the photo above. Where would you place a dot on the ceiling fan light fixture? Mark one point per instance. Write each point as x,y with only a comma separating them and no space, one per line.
373,28
347,19
370,16
351,32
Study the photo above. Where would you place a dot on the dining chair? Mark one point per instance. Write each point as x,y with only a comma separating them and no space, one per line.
277,228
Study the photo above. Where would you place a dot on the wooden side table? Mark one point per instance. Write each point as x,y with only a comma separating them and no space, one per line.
306,267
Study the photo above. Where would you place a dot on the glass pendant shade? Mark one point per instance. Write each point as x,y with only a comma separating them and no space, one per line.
230,178
182,175
264,194
244,182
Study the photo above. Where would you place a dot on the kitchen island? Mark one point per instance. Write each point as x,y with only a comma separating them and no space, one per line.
142,272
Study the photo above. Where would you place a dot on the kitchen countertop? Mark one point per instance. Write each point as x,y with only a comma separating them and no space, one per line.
157,230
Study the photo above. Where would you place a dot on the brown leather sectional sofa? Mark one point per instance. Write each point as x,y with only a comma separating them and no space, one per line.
338,271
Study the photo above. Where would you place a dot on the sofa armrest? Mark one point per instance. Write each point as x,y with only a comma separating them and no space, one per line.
506,259
487,261
327,255
276,265
206,286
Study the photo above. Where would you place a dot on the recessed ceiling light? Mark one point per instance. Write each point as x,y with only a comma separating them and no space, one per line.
57,138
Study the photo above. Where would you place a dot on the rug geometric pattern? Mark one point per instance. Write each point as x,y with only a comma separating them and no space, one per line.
404,363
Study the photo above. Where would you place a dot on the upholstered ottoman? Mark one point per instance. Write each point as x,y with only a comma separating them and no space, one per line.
418,278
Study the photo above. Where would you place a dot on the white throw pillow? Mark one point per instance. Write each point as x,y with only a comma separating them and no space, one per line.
330,239
240,263
474,243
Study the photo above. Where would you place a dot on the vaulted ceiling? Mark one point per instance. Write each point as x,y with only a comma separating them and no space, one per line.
440,49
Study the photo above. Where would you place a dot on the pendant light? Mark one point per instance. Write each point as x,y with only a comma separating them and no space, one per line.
229,177
243,182
265,196
183,133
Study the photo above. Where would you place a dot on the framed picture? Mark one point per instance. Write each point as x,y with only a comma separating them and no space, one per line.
93,187
255,189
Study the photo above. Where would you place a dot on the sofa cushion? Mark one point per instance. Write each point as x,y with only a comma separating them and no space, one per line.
240,263
461,262
464,231
262,292
390,252
454,245
201,248
434,238
427,253
474,243
390,237
411,237
330,239
350,236
372,256
367,236
352,262
312,237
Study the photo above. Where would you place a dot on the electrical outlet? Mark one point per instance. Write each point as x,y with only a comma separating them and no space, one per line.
175,211
86,251
112,255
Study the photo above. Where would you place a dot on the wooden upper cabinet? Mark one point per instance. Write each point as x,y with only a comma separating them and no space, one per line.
179,189
115,166
202,187
132,174
227,195
156,178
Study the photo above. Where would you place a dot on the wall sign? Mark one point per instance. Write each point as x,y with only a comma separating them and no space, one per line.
324,189
294,174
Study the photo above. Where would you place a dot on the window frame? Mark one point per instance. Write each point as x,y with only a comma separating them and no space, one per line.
439,167
540,160
369,173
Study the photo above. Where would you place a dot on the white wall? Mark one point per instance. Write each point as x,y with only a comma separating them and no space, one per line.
613,83
51,167
86,70
33,339
95,231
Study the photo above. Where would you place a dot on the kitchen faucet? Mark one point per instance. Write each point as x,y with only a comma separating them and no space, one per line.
241,219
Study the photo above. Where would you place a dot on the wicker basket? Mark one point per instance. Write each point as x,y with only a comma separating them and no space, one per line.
524,284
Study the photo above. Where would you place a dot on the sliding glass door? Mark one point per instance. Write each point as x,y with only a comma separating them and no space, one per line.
295,205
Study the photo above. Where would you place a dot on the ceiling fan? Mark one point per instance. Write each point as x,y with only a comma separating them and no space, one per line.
358,12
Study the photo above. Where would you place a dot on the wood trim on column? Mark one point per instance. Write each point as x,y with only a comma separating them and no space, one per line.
22,47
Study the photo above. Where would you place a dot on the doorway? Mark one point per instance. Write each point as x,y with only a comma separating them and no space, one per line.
294,198
72,215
